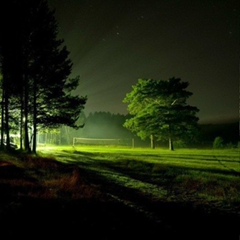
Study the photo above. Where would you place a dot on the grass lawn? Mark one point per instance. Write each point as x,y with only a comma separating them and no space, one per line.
113,192
209,175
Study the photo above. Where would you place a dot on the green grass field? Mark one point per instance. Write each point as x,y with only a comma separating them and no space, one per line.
115,192
184,174
226,160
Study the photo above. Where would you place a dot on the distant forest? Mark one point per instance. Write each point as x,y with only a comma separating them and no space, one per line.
105,125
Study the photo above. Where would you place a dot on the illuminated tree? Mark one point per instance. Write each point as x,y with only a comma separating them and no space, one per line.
160,112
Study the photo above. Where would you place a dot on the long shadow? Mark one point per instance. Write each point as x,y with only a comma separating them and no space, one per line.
161,218
194,158
211,158
89,160
174,218
149,166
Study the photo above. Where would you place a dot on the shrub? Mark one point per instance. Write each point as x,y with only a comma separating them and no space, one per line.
218,143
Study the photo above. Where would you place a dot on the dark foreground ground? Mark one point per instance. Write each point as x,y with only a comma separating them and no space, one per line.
30,211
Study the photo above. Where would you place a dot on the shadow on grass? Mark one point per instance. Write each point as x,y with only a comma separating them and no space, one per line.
130,166
106,217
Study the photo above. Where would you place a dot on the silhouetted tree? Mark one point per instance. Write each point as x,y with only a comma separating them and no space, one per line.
41,84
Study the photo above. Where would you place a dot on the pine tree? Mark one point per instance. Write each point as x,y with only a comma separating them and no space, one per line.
42,60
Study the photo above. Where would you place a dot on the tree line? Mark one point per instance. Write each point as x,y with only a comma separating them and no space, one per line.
36,90
108,125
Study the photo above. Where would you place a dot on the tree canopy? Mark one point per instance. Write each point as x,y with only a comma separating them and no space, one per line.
159,110
35,67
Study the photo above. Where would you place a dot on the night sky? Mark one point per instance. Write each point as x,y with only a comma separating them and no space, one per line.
114,43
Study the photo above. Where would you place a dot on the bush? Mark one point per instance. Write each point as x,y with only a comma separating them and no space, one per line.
218,143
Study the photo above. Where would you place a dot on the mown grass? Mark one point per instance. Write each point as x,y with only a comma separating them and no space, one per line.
76,187
210,176
205,176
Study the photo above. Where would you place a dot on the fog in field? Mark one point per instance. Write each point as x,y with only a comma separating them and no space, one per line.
105,128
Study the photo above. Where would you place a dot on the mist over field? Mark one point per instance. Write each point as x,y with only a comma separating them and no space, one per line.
104,125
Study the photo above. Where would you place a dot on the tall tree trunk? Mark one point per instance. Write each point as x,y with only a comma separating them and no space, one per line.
21,125
152,142
34,144
26,132
2,117
6,108
26,136
171,148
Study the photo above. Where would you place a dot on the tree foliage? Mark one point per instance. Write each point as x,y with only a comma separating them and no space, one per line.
35,67
159,110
